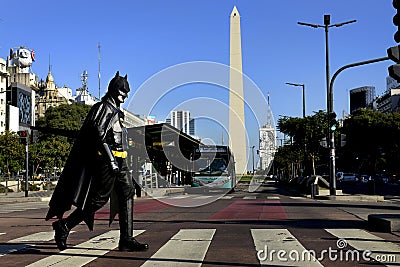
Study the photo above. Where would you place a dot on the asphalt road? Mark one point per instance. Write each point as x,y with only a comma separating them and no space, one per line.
267,227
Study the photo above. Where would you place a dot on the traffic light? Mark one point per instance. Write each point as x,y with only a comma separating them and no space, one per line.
396,20
342,140
34,136
23,137
394,54
332,121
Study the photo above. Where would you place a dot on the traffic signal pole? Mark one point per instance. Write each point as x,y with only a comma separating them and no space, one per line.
332,183
26,168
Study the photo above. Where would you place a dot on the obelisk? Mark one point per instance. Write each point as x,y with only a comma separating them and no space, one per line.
237,133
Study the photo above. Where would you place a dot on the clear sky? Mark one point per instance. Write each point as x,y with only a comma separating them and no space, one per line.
144,38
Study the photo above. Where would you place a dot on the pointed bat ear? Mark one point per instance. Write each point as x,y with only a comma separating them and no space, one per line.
126,77
117,74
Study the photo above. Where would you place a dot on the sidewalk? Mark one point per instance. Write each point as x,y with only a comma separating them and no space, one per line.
33,196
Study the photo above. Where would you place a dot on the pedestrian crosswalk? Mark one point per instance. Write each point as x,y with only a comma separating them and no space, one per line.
189,248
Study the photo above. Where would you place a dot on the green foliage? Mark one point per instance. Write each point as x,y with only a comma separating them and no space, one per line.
3,189
372,142
303,149
63,117
52,150
12,153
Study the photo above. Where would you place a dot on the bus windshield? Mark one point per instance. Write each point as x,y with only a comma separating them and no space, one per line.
207,166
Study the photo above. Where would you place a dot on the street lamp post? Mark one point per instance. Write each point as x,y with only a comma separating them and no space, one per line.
252,155
304,96
304,115
329,98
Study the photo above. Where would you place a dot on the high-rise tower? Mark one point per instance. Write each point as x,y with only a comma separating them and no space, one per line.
237,135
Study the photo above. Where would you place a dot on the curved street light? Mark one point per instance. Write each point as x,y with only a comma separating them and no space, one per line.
331,140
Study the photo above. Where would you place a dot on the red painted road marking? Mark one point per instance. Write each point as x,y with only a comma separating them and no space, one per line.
252,210
140,207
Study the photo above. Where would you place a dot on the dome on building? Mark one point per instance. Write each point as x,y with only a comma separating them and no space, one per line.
49,77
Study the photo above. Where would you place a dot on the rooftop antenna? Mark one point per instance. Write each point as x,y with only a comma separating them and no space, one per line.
98,46
84,77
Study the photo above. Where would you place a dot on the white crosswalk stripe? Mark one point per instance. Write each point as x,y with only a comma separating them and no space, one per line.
84,253
382,251
36,237
26,241
278,247
14,244
298,197
189,247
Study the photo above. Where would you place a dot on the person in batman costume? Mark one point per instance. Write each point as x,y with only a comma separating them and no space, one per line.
96,170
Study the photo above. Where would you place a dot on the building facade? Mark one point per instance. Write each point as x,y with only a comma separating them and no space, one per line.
181,120
389,102
361,97
3,99
267,147
51,96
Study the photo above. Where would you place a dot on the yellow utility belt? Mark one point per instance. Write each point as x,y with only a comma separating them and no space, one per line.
118,154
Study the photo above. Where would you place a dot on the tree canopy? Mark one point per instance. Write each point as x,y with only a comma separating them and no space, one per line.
52,150
372,144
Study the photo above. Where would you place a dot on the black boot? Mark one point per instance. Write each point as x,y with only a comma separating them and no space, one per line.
63,226
131,244
126,240
61,232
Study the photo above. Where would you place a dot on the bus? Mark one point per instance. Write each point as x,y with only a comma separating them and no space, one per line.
213,167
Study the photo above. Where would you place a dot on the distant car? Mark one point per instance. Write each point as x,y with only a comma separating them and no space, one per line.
339,176
349,178
381,178
365,178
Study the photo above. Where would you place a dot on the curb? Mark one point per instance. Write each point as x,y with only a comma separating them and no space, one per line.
361,198
23,199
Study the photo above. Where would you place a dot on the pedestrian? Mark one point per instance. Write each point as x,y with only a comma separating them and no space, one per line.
96,170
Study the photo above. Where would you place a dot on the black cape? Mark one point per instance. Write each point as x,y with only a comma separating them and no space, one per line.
74,185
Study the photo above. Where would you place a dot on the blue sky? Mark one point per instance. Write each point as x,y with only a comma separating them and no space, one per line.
143,38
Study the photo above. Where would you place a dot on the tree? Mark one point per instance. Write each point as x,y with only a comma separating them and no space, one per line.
53,149
64,117
372,142
305,135
12,153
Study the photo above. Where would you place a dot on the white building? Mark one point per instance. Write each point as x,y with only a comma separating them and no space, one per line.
3,101
180,119
267,147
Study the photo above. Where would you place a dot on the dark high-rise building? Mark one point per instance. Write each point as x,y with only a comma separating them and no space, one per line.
361,97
